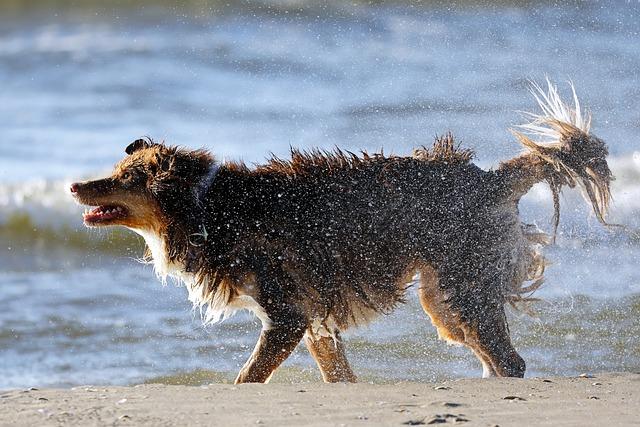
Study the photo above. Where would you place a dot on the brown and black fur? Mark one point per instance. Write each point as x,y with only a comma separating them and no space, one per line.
334,238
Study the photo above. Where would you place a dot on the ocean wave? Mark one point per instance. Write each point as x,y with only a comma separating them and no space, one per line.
43,211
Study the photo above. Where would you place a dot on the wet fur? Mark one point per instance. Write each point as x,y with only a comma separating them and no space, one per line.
325,241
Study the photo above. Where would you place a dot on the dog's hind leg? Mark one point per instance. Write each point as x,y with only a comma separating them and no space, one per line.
433,301
273,347
487,367
330,356
487,337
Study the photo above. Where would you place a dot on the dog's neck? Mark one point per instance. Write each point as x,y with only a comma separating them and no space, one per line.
158,239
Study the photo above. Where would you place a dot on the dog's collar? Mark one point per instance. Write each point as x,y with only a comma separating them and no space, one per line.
206,182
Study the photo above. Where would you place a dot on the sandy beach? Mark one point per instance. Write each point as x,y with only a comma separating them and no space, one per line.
601,399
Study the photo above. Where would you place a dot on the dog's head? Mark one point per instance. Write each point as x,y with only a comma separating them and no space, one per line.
145,188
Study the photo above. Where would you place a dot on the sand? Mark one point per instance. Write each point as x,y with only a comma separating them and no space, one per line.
605,399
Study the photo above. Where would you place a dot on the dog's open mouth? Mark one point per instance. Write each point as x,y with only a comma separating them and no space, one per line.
104,214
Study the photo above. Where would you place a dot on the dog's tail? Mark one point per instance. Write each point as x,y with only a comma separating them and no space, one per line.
561,151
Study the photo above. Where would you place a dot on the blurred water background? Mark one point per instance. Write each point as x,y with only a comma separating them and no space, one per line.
80,80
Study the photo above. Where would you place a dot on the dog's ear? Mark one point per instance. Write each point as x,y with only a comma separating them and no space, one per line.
138,144
171,163
176,173
165,161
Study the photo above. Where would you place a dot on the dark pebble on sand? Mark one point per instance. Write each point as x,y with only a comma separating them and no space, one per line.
451,404
513,398
441,419
446,404
414,422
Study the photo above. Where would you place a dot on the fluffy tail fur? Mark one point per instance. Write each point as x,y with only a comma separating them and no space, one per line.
561,151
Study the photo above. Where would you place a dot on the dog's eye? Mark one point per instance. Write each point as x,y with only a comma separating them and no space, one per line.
126,175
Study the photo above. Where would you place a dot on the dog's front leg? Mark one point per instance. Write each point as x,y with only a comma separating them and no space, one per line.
329,354
273,347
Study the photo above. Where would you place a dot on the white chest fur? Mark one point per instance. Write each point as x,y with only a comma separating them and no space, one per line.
214,306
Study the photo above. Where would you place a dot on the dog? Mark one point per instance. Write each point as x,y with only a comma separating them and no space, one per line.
327,240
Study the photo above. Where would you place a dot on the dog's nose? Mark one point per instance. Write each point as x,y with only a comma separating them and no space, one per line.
74,187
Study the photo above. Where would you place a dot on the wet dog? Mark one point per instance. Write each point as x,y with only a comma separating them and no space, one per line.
325,241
